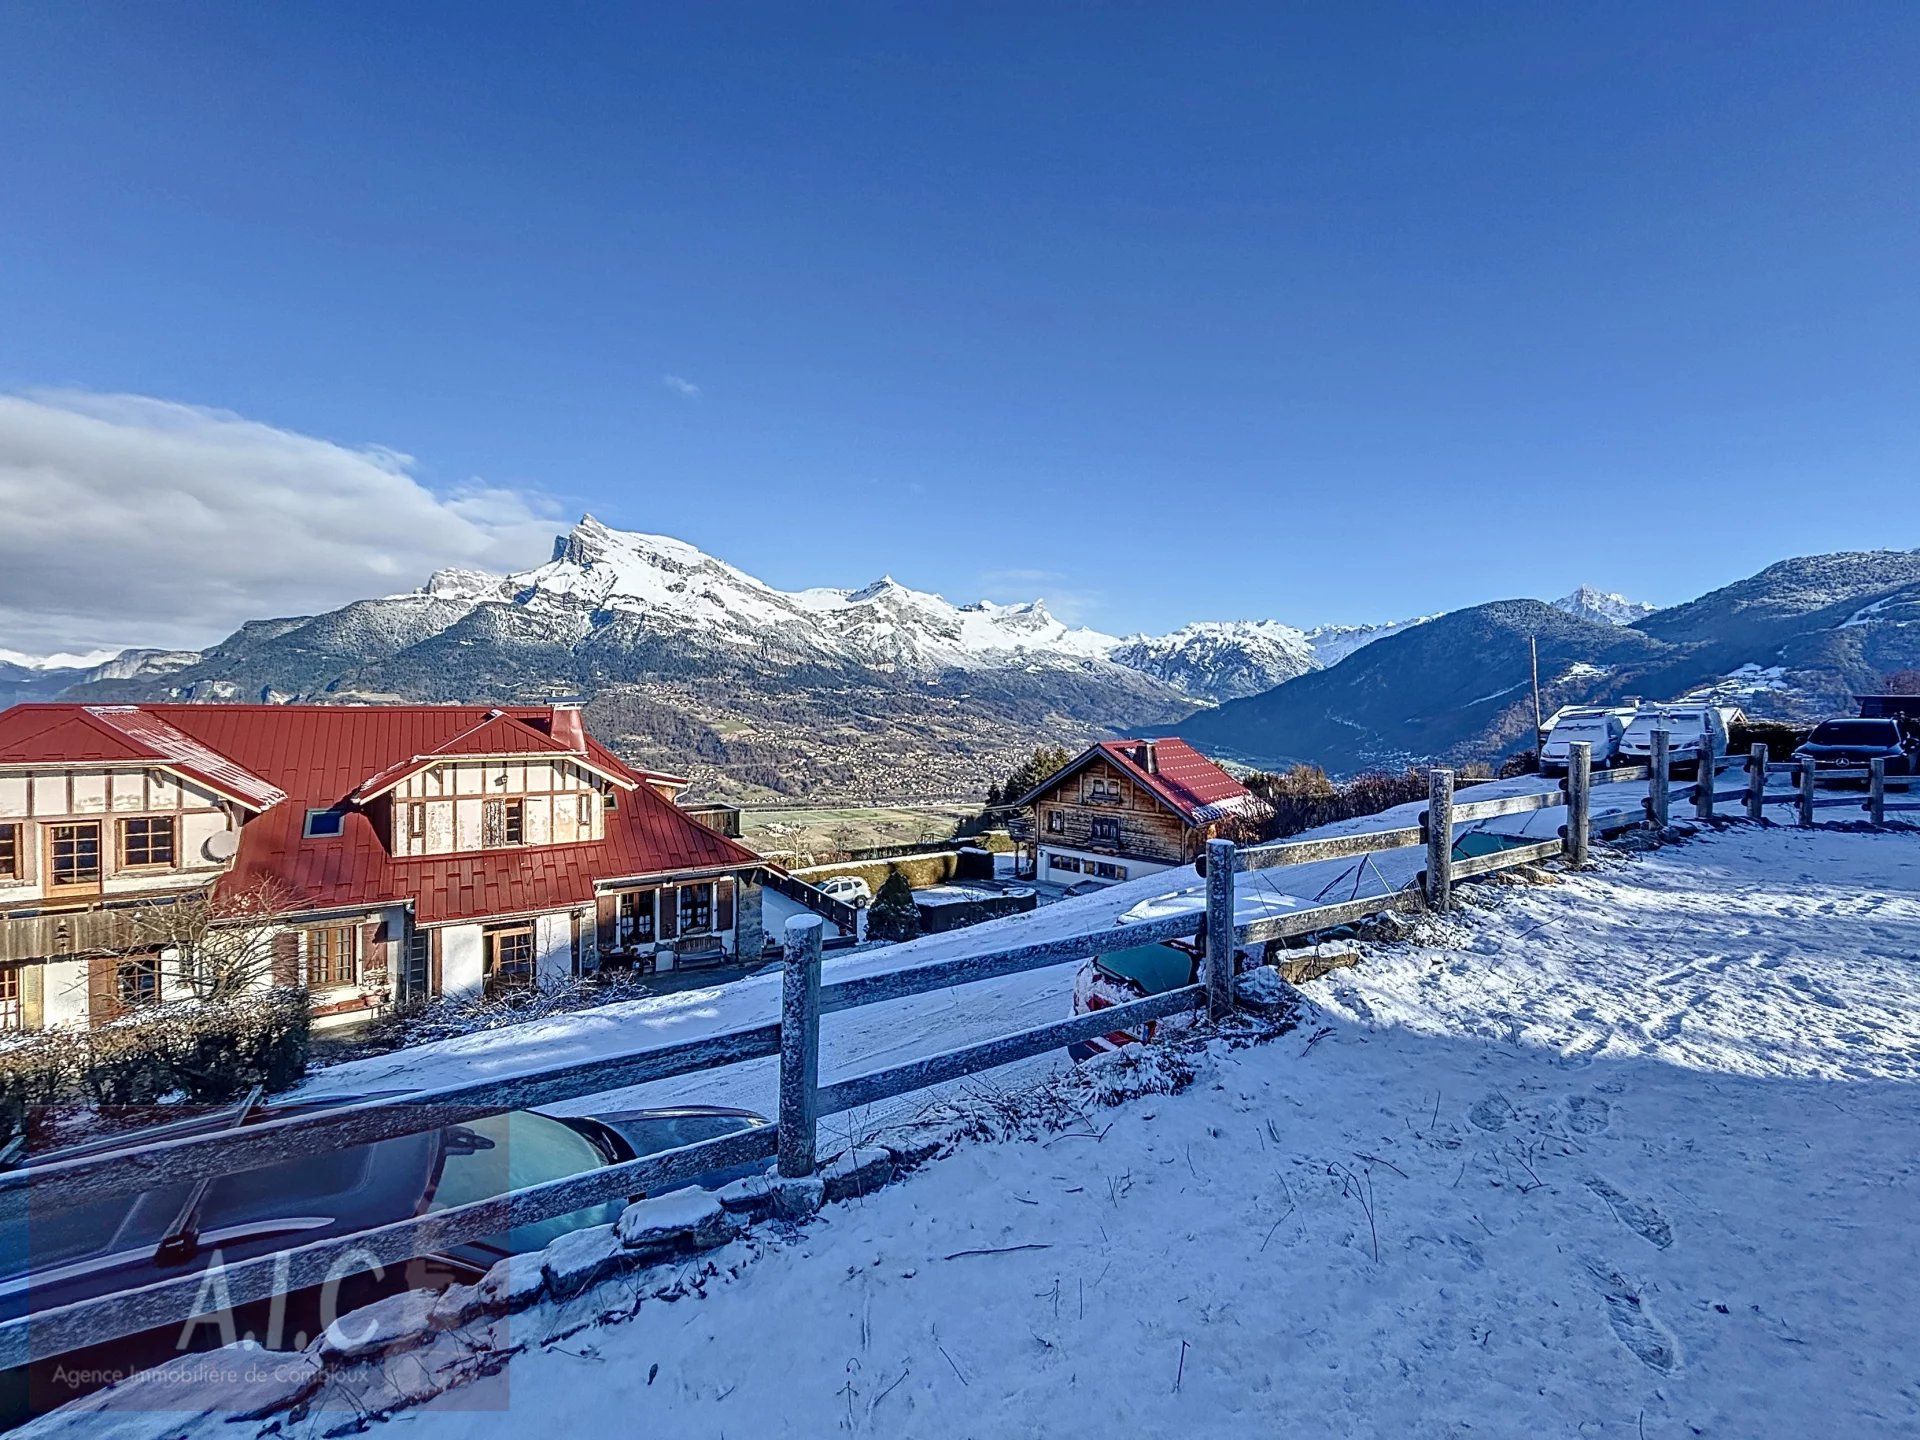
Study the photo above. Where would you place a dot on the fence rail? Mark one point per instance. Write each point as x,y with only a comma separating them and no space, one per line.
795,1038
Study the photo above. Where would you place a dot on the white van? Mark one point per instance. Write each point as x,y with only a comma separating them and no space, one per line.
1599,727
1684,724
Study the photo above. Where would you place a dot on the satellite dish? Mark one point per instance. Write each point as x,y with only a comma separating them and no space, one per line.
222,845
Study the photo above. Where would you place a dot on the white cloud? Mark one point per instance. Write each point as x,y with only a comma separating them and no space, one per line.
126,520
682,387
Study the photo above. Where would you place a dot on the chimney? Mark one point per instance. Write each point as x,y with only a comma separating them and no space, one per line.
568,730
1149,761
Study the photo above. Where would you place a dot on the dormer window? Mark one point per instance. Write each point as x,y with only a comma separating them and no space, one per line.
325,824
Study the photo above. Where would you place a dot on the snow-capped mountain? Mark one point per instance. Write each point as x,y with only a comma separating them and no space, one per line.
1604,607
45,677
1221,660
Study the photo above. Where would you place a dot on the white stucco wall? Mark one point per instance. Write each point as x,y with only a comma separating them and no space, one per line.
66,993
553,949
462,961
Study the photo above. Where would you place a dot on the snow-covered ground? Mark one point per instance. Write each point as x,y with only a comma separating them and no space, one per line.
1627,1155
876,1036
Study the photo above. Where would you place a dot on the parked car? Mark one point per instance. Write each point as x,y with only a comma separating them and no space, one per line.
52,1257
1118,977
1684,724
848,889
1600,728
1849,744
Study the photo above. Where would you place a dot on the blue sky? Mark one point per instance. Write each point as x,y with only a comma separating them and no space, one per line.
1172,312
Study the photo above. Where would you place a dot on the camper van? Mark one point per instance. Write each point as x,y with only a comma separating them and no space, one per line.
1684,724
1600,726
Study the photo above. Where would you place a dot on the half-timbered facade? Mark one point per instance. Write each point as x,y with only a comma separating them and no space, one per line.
413,851
1125,808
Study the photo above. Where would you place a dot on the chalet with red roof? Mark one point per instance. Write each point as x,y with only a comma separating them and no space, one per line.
1124,808
413,850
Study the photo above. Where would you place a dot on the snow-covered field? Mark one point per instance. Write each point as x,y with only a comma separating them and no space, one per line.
1628,1155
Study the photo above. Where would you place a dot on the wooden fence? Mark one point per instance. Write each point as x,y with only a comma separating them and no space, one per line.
795,1039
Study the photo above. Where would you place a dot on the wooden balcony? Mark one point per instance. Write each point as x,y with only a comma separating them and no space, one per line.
65,932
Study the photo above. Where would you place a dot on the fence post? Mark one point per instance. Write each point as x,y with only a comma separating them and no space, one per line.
800,1046
1806,790
1220,936
1757,759
1704,776
1660,785
1440,839
1877,790
1579,802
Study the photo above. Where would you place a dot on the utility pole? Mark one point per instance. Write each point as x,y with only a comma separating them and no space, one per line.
1538,723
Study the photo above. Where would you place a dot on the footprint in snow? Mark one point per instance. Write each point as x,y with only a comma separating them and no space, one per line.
1650,1341
1588,1115
1637,1215
1492,1113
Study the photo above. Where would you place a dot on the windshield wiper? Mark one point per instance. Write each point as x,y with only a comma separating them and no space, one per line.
183,1236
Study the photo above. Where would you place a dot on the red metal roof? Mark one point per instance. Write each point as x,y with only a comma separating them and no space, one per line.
1183,779
120,734
320,755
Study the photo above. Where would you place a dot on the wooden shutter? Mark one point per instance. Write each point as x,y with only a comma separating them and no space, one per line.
493,824
373,954
103,989
286,958
723,904
607,918
669,912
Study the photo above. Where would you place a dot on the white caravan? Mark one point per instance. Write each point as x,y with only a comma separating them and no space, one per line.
1684,724
1600,726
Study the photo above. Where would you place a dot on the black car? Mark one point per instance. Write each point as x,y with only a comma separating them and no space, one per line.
1850,744
56,1255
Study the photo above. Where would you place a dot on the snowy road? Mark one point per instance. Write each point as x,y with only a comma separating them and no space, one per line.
876,1036
1630,1155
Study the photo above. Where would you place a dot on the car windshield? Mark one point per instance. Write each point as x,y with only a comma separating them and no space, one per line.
669,1132
510,1152
1856,732
1154,968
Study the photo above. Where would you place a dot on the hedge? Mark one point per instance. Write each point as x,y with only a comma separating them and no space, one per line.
196,1051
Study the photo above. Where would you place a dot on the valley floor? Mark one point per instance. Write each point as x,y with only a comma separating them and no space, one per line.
1628,1155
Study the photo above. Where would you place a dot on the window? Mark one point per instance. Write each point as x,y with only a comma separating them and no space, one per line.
9,852
416,821
696,909
324,824
146,840
11,1017
1103,792
636,917
73,854
1103,871
1056,822
613,800
1106,830
1069,863
509,959
330,957
503,822
136,981
586,811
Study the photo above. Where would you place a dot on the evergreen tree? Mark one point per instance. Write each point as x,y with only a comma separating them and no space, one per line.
893,915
